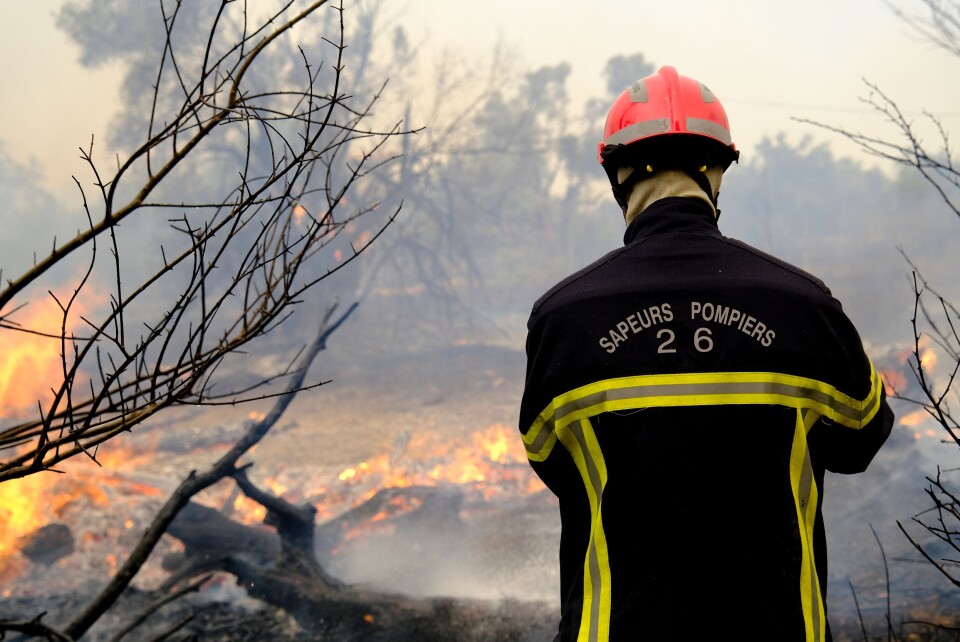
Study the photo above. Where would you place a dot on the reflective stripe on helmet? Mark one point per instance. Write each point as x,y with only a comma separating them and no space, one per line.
709,128
638,92
637,131
707,95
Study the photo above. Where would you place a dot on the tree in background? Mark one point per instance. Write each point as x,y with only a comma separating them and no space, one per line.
239,199
503,195
935,318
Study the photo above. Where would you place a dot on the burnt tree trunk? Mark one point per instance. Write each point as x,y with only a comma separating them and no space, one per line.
282,569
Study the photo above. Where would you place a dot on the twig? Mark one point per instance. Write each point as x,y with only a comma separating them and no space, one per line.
194,483
142,616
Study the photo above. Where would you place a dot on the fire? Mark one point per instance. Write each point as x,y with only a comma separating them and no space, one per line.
915,418
893,381
493,462
898,375
248,511
299,213
485,465
498,441
277,487
928,358
30,364
20,502
29,503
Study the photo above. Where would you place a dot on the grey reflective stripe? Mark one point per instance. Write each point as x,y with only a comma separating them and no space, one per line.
593,557
638,92
637,131
709,128
541,438
707,95
696,389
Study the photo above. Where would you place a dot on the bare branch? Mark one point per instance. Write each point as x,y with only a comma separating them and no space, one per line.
249,249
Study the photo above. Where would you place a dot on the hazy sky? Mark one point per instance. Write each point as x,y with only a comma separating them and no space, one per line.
768,62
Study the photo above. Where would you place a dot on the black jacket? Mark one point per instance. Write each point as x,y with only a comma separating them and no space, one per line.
684,395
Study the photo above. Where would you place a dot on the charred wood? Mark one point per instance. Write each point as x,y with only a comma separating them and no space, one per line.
325,607
47,544
295,526
430,506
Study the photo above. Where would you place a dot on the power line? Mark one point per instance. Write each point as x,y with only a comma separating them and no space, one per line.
834,108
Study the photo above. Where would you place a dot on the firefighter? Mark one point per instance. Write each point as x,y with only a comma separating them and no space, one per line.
684,395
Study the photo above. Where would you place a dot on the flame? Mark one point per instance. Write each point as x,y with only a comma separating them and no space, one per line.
363,239
248,511
29,503
492,463
299,212
928,358
893,381
915,418
483,464
275,486
30,364
20,502
899,373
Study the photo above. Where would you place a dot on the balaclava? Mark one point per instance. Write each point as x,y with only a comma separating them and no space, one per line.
666,183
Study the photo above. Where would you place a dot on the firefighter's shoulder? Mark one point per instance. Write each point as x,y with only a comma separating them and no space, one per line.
778,263
573,283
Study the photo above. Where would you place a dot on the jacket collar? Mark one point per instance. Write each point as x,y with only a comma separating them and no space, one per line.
672,215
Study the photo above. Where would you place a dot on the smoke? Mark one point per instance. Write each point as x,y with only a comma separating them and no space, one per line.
443,553
503,198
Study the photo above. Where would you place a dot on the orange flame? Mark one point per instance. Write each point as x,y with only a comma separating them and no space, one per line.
248,511
493,462
299,213
28,503
893,381
31,363
915,418
928,358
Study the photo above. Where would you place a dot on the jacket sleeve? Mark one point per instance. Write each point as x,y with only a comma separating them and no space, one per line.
843,449
846,450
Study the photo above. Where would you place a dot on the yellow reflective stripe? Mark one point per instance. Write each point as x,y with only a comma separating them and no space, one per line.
806,496
581,441
698,389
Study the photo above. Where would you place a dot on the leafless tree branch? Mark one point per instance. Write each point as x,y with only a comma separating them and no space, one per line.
196,482
297,154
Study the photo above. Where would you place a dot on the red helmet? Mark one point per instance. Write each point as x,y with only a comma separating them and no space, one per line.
665,121
657,108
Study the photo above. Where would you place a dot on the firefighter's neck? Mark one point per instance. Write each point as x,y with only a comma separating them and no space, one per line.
665,184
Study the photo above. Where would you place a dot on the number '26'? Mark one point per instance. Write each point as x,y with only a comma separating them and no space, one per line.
702,340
